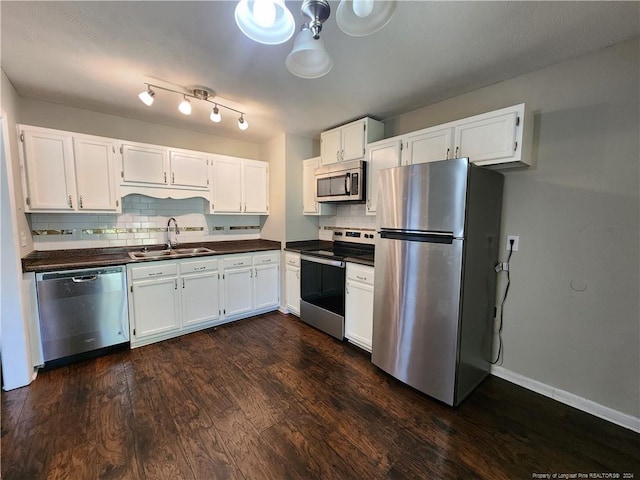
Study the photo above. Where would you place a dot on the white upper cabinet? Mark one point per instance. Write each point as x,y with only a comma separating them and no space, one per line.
491,138
188,169
497,139
255,187
428,145
65,172
239,186
144,164
153,166
226,194
349,141
95,162
380,155
309,204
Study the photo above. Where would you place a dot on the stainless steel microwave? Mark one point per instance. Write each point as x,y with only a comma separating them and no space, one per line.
341,182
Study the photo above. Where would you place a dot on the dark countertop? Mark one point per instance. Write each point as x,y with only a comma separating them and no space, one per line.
46,261
301,247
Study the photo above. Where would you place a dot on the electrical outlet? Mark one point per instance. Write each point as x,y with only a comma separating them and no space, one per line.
516,241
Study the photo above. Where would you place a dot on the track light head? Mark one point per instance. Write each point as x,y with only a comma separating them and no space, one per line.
242,123
146,96
215,115
185,106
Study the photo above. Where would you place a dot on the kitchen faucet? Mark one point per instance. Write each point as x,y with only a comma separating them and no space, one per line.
170,244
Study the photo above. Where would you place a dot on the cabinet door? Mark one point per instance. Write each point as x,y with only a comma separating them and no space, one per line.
238,291
380,155
359,314
428,145
155,306
200,298
227,185
95,173
330,146
489,137
267,286
256,187
49,171
353,141
292,278
144,164
189,169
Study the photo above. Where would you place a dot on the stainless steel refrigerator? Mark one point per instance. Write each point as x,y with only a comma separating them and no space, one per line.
435,282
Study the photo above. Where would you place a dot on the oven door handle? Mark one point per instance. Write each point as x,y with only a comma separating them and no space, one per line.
324,261
347,183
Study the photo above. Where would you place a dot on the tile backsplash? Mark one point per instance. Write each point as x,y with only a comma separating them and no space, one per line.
347,216
143,221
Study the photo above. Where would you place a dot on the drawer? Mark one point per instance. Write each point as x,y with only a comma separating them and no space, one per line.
292,259
237,262
266,258
158,269
194,266
360,273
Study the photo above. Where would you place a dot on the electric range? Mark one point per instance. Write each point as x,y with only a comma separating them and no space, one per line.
322,279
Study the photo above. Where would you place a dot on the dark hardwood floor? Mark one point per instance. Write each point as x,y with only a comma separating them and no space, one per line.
271,398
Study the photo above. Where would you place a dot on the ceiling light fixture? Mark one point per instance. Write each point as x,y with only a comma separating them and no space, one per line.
308,59
199,93
265,21
354,17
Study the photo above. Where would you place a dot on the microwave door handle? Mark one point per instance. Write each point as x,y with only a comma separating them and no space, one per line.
347,184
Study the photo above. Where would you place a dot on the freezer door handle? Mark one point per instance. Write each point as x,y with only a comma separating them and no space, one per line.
429,237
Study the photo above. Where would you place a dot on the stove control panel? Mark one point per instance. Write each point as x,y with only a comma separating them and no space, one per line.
367,237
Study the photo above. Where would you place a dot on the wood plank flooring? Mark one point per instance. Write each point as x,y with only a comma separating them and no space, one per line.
271,398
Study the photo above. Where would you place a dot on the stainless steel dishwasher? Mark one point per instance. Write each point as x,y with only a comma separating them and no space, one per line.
82,311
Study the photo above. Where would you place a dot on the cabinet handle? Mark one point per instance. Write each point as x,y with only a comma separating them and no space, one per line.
176,284
456,154
360,278
448,151
337,155
341,155
240,208
251,273
245,207
165,177
347,288
81,201
173,177
183,283
256,273
298,274
70,202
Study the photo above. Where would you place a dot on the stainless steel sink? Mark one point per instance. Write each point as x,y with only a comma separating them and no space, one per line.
175,252
193,251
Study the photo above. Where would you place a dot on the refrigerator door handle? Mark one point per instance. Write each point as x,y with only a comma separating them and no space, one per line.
430,237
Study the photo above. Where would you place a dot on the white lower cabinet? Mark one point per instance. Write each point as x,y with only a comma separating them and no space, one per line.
200,294
171,298
154,302
238,286
358,327
292,279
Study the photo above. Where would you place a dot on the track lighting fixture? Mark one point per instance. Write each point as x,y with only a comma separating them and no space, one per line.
354,17
200,93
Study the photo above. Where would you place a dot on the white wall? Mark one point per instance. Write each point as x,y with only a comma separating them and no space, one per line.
14,339
572,316
273,152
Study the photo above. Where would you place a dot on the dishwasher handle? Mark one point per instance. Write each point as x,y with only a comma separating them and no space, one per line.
85,278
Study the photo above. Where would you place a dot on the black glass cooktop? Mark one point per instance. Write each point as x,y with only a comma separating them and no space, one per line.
341,251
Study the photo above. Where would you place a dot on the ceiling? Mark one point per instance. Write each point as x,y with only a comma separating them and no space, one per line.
98,55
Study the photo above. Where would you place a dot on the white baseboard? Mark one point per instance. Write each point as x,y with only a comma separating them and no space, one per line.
589,406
